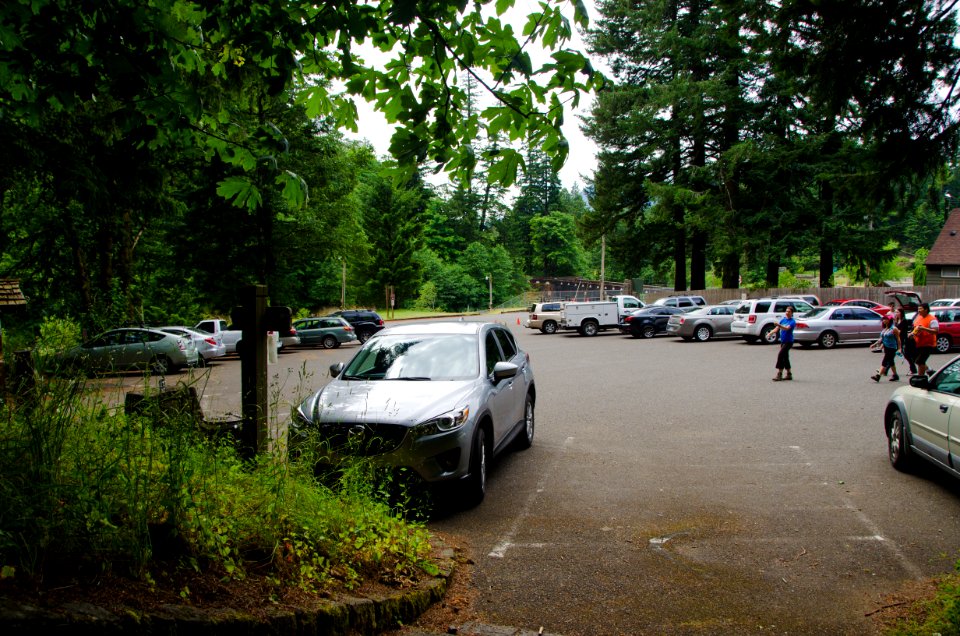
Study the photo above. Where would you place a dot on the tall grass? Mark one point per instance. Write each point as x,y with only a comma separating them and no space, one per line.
85,488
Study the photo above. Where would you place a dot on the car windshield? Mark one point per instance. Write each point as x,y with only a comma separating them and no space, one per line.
817,312
416,357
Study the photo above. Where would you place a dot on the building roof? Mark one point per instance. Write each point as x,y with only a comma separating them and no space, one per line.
10,294
946,249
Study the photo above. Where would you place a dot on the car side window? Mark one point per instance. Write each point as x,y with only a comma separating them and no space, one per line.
507,345
685,303
493,352
762,308
948,380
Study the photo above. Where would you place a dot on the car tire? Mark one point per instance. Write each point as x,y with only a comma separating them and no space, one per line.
648,331
161,365
765,335
703,333
525,438
827,340
898,450
549,327
329,342
943,343
589,328
476,483
364,335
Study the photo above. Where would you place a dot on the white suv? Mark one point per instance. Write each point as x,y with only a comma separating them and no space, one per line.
755,319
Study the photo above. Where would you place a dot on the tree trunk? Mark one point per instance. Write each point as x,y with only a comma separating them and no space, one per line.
679,251
731,271
698,261
773,271
826,263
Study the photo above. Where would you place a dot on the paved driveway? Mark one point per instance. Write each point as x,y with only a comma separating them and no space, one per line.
674,488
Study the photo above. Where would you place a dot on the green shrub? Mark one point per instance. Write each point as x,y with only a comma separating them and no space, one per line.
87,488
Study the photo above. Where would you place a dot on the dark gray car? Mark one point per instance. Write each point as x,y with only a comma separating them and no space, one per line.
439,398
328,331
703,323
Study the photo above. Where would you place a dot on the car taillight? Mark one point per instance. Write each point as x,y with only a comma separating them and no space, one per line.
182,344
380,322
628,319
210,341
752,319
801,325
348,328
533,316
681,320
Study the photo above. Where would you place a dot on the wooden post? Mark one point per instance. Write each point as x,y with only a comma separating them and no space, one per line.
253,363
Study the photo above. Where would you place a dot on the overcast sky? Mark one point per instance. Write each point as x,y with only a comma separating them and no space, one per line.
582,159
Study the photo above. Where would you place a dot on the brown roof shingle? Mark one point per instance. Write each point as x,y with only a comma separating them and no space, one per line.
946,249
10,294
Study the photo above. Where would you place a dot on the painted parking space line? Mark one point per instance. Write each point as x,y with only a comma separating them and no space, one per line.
507,539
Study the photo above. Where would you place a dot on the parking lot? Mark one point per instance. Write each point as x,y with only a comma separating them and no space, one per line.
673,488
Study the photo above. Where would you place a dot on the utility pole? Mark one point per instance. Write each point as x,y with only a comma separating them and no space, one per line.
603,258
490,291
343,284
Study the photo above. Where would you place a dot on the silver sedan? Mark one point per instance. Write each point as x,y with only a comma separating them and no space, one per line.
702,323
828,326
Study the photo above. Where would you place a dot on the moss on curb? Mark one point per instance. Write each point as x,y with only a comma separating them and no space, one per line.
345,615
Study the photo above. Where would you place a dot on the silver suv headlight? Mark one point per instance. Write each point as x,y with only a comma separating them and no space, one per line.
449,421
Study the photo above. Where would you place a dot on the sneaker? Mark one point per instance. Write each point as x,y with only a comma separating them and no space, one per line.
895,378
875,377
777,378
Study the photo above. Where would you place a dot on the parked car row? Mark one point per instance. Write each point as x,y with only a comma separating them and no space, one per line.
845,320
173,347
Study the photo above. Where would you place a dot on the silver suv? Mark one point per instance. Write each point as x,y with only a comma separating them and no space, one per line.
680,301
545,317
755,319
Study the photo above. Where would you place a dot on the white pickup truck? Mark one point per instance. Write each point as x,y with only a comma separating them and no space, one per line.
231,337
591,317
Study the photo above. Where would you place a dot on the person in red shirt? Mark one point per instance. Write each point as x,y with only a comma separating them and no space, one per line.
925,328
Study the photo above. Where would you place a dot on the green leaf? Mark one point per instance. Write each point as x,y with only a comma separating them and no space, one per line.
295,189
241,192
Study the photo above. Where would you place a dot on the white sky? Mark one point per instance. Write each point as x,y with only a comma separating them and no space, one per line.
581,161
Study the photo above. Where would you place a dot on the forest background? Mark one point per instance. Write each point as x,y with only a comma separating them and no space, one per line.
158,155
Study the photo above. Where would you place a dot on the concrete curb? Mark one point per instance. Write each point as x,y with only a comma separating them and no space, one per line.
344,615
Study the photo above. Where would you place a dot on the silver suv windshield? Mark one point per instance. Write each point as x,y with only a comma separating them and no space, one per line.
416,357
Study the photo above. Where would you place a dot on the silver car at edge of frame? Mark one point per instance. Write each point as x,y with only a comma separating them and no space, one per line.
919,422
702,323
830,325
439,398
209,346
